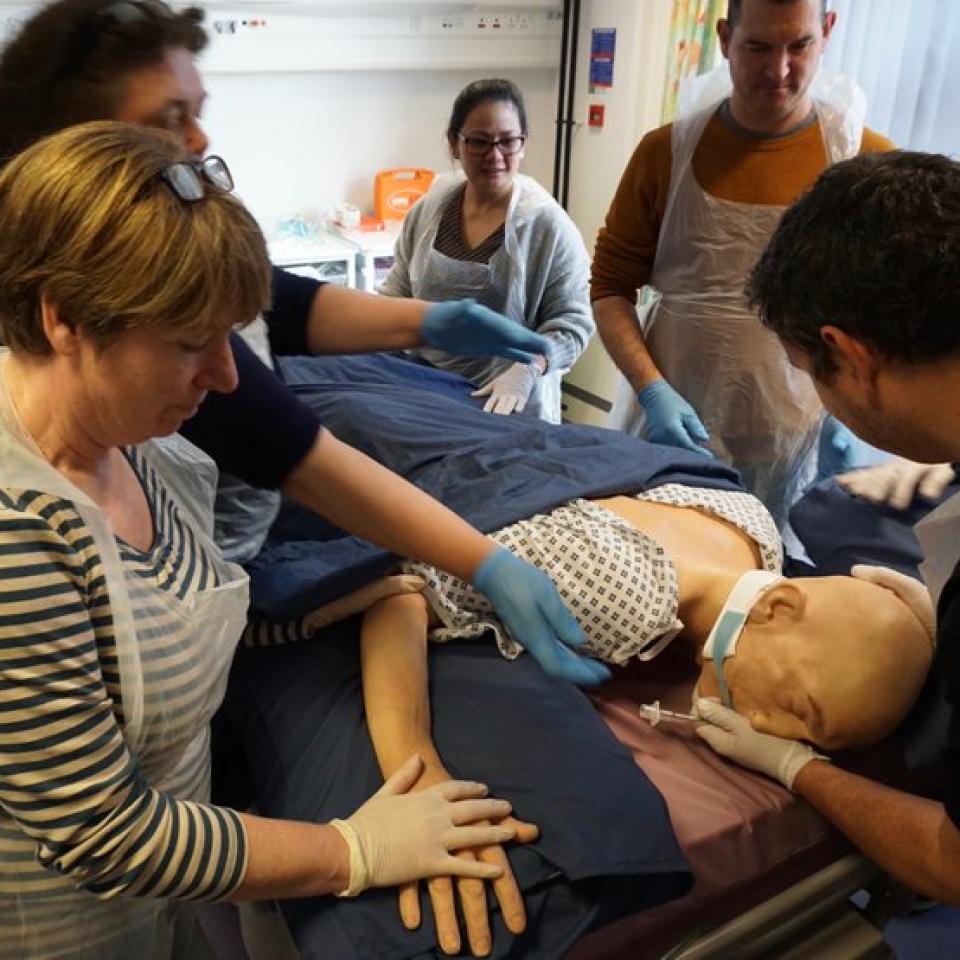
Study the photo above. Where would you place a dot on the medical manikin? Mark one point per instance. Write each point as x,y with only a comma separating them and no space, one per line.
837,661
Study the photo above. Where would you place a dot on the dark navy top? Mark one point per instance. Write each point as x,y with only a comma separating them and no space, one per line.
261,431
947,664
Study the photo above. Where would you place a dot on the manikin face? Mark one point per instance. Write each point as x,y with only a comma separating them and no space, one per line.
831,660
492,172
168,95
774,52
169,372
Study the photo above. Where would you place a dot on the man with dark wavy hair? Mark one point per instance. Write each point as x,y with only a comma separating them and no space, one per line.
861,282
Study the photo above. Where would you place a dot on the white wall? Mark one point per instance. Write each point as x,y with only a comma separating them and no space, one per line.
305,142
632,107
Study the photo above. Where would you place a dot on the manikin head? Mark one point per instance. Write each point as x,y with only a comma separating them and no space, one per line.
774,48
832,660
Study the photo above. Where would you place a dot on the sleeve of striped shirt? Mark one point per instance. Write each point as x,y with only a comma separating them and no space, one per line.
66,776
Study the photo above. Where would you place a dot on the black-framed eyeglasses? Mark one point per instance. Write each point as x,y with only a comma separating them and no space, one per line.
481,146
186,177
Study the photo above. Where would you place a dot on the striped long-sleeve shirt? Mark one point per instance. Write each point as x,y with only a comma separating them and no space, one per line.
80,817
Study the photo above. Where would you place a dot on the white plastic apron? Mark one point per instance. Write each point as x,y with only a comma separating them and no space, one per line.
939,536
763,415
166,740
500,285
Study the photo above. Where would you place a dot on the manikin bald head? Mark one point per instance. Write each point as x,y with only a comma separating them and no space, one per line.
831,660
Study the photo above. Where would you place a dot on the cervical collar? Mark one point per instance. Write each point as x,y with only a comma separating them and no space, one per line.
722,642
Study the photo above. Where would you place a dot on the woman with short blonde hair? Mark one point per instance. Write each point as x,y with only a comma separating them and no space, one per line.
124,265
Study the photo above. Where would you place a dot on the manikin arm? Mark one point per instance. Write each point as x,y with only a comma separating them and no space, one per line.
396,700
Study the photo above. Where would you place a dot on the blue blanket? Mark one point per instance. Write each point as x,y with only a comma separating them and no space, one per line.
491,470
606,846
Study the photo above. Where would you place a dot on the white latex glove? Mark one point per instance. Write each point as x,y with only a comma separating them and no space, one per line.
509,392
911,591
730,734
397,837
360,600
897,482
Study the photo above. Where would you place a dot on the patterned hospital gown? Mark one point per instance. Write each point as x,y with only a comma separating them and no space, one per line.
619,582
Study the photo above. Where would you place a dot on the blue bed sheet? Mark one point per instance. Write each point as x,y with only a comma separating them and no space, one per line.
607,848
491,470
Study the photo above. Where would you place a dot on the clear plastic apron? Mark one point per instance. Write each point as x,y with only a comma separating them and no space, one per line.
762,414
500,285
167,739
939,536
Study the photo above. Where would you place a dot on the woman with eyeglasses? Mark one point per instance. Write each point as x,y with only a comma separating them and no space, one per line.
498,237
124,266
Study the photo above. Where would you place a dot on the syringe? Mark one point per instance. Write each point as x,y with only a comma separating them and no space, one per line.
655,713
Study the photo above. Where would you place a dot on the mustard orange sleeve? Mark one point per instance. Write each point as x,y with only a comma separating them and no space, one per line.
627,243
873,142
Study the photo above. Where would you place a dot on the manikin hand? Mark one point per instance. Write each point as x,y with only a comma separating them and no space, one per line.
730,734
526,601
466,328
670,420
397,836
470,892
911,591
509,392
897,482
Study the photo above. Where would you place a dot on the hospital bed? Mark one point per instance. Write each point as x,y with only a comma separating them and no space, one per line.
769,877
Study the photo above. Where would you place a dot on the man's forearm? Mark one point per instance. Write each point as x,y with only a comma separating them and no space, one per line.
343,320
364,498
621,334
909,837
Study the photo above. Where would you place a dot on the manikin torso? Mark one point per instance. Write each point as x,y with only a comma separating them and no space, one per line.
708,553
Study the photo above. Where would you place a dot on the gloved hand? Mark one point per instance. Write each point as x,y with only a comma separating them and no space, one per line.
396,836
527,602
509,392
911,591
840,449
465,327
671,420
897,482
730,734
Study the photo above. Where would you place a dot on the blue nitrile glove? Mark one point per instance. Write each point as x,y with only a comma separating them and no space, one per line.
841,450
465,327
527,602
671,420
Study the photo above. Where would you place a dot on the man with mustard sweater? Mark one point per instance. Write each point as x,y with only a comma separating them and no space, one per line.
695,207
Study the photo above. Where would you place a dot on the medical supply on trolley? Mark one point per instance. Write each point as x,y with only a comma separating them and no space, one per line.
373,250
300,247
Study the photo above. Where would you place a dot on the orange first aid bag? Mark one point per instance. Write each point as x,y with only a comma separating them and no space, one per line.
396,191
